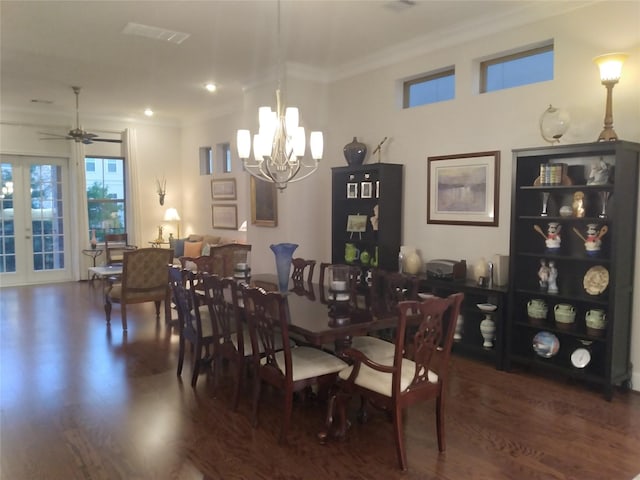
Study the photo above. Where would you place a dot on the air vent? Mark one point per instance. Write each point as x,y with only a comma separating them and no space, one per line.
155,33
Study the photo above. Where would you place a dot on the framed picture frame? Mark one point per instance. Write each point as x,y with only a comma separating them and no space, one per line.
464,189
377,188
366,190
223,189
224,216
352,190
264,203
356,223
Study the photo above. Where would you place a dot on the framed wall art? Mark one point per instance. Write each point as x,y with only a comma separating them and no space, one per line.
464,189
223,189
264,203
224,216
366,189
352,190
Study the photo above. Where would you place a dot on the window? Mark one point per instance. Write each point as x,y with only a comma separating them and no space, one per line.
206,161
522,68
225,156
430,88
106,195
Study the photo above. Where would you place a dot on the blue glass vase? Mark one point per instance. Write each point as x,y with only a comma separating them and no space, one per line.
284,253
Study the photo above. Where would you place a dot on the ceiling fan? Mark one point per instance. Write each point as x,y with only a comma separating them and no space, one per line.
77,134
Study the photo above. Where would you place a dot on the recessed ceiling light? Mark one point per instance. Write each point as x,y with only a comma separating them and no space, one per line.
211,87
148,112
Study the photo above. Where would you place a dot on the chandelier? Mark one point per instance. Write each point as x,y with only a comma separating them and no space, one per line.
280,144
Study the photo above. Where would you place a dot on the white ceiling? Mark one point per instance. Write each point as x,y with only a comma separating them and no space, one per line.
46,47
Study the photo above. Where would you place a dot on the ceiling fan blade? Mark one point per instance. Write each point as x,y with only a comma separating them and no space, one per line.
52,136
108,140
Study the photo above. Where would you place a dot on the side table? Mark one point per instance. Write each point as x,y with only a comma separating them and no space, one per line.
93,253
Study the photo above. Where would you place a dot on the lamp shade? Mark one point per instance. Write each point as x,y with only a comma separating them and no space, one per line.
171,215
610,66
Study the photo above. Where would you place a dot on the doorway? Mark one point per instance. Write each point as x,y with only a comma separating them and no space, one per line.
34,227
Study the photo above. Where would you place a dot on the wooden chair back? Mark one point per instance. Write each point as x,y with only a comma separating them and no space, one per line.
302,270
115,244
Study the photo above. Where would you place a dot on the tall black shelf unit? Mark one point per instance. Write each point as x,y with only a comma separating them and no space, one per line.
356,190
609,351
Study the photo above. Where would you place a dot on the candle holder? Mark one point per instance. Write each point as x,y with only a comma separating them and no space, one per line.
339,294
604,199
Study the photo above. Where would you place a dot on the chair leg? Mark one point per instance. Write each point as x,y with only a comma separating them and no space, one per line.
107,308
123,312
257,382
197,354
440,422
239,364
157,303
180,355
288,410
397,430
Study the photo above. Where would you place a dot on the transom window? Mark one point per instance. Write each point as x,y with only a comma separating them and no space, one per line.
430,88
522,68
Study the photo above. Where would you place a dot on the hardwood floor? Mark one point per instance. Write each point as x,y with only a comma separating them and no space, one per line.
80,400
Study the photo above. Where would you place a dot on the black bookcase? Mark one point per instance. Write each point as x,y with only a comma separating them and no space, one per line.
603,356
356,191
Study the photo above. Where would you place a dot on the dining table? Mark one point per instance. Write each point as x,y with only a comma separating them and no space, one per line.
309,318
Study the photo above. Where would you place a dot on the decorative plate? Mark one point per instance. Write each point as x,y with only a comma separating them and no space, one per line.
596,280
487,307
546,344
580,357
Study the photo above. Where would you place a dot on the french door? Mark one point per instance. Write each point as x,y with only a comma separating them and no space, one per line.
34,233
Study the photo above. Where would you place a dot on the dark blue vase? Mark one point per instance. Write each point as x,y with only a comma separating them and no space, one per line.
284,253
355,152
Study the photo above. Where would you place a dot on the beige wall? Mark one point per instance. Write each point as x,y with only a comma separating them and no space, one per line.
366,106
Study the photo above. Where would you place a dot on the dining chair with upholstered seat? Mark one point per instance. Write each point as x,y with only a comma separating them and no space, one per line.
302,270
194,322
413,375
144,279
372,346
232,342
289,369
115,244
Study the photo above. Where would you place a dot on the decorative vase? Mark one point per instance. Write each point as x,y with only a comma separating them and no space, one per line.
283,253
94,240
355,152
488,330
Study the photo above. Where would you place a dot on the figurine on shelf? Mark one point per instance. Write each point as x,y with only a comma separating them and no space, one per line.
599,174
553,277
543,275
374,218
578,204
553,236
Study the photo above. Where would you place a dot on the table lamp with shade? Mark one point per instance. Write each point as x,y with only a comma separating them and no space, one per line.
171,215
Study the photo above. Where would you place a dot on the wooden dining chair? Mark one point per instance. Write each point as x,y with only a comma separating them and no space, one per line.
194,322
232,341
290,369
144,279
408,378
302,270
115,244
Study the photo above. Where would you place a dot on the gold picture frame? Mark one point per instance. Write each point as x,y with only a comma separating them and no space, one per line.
464,189
224,216
223,189
264,203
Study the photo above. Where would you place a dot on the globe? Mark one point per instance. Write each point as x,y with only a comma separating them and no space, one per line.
554,122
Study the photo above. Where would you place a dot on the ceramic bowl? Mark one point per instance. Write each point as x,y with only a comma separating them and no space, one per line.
487,307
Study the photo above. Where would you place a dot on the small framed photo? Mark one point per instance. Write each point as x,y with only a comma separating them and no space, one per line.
352,190
224,216
366,190
356,223
223,189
